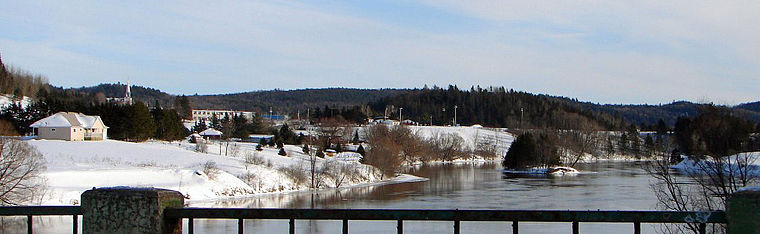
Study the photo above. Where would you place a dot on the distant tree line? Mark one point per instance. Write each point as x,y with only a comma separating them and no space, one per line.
496,107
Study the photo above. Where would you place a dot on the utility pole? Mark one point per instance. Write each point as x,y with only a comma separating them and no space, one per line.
399,114
455,115
444,116
521,117
431,120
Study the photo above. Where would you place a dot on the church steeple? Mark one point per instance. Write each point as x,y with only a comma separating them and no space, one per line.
129,92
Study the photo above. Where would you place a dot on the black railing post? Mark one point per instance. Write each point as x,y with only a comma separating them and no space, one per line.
637,227
400,226
702,228
29,224
456,226
76,225
514,227
292,227
575,227
240,226
456,221
189,225
345,226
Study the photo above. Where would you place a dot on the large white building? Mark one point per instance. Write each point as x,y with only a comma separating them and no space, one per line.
70,126
206,115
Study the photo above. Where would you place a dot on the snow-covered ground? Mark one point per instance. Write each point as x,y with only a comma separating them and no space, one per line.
6,100
743,163
73,167
472,135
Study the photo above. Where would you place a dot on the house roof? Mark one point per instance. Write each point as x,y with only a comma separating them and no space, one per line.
67,119
211,132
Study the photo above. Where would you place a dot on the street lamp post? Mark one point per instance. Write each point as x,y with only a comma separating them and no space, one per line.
399,115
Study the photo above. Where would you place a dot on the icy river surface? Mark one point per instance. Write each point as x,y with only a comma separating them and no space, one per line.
612,186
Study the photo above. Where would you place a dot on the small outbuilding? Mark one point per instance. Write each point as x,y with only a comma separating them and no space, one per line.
211,134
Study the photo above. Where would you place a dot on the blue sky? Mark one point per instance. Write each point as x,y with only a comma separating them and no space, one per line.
599,51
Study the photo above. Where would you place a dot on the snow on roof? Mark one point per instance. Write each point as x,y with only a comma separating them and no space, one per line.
260,136
211,132
66,119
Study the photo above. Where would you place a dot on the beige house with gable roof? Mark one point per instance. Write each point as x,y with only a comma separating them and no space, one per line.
70,126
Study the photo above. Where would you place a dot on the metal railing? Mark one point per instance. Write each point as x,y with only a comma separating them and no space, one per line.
457,216
30,211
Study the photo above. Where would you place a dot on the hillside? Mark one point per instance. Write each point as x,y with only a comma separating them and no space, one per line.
290,101
669,113
501,110
751,106
146,95
493,107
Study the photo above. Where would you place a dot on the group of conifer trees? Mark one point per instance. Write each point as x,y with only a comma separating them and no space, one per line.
494,107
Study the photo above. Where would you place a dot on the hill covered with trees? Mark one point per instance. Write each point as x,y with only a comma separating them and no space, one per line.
495,107
291,101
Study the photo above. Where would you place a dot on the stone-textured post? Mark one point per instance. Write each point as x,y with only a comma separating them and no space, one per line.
743,212
129,210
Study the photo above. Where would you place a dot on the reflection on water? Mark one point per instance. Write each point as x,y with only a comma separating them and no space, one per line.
613,186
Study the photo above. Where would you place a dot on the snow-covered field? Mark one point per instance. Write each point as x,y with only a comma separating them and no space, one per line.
743,163
472,135
73,167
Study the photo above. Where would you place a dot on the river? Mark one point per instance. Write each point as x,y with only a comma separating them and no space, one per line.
610,186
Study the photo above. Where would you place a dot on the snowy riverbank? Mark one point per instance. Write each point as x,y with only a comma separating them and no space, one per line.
73,167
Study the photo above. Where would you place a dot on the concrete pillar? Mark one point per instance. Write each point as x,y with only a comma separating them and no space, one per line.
743,212
129,210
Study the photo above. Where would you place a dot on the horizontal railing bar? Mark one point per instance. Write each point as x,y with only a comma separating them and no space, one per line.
450,215
39,210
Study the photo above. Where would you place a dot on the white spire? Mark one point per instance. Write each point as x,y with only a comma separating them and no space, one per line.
129,93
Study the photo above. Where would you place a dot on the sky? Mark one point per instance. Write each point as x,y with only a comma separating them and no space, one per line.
630,52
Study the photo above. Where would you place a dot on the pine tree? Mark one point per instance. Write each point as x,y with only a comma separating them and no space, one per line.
200,126
355,140
141,125
282,152
182,105
360,150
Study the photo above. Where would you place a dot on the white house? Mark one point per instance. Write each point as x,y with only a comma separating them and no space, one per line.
70,126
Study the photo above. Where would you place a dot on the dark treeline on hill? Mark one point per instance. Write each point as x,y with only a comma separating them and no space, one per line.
752,106
648,116
149,96
292,101
495,107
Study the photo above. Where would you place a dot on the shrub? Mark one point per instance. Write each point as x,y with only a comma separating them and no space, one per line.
210,169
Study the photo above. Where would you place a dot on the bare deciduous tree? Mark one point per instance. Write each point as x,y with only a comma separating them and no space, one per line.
20,168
